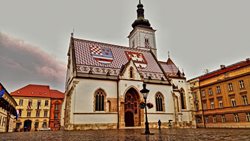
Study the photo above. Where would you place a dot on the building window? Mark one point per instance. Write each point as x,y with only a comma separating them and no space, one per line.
220,104
109,105
233,102
223,118
236,118
212,104
146,43
206,119
56,116
45,113
242,86
214,119
20,113
230,87
99,100
46,103
159,102
218,89
203,93
37,113
38,104
44,124
57,106
131,72
28,113
183,99
248,117
29,104
133,43
210,91
245,101
36,124
20,102
204,105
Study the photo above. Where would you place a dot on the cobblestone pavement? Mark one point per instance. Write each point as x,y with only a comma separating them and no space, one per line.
132,135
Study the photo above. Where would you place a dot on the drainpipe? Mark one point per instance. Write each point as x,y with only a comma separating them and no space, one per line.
118,99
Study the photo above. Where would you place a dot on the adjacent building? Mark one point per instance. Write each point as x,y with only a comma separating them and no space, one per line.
8,113
104,81
222,97
36,107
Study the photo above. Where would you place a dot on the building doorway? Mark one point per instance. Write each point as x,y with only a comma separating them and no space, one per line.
132,110
27,125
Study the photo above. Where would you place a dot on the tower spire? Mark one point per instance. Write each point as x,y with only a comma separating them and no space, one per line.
141,21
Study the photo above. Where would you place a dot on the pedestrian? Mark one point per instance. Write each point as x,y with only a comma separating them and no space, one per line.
159,124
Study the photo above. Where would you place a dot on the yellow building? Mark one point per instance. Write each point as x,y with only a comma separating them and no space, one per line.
33,106
221,97
8,112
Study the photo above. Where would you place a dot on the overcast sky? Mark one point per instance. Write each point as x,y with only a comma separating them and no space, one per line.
34,35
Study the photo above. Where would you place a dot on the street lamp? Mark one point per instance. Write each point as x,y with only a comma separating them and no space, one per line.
145,92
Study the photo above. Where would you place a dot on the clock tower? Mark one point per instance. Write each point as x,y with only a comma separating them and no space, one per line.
143,35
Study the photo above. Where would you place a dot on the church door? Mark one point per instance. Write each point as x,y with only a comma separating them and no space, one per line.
132,111
129,119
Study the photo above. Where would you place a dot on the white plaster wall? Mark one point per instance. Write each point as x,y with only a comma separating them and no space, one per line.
125,85
139,38
186,113
168,99
183,84
84,93
162,117
95,118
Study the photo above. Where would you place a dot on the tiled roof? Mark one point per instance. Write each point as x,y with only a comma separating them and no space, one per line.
169,67
225,69
116,56
56,94
32,90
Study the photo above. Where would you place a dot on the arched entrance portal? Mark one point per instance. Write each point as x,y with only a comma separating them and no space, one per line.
132,110
27,125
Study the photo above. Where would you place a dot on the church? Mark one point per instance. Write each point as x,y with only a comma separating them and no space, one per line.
104,81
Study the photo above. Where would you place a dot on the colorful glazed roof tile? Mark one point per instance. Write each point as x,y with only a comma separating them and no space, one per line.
100,58
32,90
169,67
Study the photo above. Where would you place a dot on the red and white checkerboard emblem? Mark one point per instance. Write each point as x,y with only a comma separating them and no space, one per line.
138,58
101,54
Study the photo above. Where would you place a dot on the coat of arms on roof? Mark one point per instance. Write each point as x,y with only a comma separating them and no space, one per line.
138,59
101,54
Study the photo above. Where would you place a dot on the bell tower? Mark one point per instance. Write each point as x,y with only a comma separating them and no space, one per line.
143,35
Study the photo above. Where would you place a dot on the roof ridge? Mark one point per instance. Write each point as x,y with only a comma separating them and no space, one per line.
112,45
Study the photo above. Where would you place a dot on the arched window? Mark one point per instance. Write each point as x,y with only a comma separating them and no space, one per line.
109,105
159,102
183,101
131,71
99,100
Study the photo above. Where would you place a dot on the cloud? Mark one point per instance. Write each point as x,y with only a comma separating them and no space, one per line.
19,59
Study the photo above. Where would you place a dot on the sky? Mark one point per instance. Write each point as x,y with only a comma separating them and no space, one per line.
199,34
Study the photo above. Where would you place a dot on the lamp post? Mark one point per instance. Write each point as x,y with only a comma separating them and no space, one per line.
145,92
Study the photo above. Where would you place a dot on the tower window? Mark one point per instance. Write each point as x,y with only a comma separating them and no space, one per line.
146,43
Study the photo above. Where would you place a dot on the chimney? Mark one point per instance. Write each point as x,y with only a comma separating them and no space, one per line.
222,66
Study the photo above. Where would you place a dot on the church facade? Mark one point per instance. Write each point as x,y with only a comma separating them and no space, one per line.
104,81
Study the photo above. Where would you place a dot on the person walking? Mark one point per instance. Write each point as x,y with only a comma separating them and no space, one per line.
159,124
